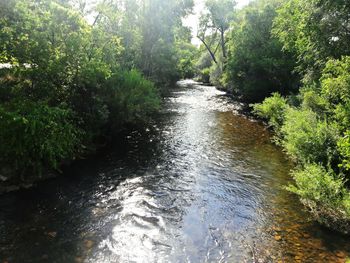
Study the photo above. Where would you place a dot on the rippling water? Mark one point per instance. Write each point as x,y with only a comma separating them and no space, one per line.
203,184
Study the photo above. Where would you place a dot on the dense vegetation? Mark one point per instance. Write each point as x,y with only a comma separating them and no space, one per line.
73,75
294,57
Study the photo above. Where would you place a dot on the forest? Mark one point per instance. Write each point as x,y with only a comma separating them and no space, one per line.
73,76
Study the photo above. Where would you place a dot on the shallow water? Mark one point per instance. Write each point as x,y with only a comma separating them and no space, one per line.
203,184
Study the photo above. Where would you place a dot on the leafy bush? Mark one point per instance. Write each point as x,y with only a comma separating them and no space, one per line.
273,110
204,61
344,150
132,99
308,139
204,75
34,136
311,100
324,193
315,183
335,88
186,60
203,65
336,80
186,68
215,74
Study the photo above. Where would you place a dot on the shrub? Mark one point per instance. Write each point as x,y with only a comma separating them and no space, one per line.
215,74
315,183
186,60
323,192
186,68
132,99
34,136
335,80
335,88
308,139
204,75
273,110
344,150
311,100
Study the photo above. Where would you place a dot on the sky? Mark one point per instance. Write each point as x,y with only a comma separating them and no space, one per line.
192,20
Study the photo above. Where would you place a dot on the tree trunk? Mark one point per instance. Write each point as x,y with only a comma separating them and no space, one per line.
209,50
222,32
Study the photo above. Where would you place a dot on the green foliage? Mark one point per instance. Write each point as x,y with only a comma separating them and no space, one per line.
132,99
204,75
315,31
344,150
319,185
221,12
308,139
273,109
186,63
203,65
257,66
160,26
335,88
313,132
335,80
312,100
83,70
325,194
204,61
34,136
215,74
214,22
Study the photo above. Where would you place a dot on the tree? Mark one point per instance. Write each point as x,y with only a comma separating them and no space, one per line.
256,65
147,31
315,31
214,24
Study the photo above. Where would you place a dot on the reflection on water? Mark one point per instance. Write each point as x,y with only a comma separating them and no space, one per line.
202,185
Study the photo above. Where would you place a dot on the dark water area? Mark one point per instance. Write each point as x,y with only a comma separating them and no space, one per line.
203,184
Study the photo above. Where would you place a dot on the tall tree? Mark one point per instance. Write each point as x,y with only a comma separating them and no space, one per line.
147,32
257,66
214,24
315,31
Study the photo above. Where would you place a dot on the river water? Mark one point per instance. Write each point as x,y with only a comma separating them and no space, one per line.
202,184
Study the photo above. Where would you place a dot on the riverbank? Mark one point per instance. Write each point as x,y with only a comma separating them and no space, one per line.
11,182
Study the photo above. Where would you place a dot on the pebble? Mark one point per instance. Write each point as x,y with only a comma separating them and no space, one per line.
3,178
88,244
278,238
78,259
305,235
340,254
277,229
52,234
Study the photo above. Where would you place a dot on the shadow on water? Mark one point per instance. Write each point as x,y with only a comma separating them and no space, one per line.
202,185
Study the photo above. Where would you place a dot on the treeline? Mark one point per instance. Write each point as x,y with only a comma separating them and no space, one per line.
294,57
73,75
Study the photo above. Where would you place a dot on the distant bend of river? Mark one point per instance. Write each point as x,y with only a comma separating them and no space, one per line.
203,184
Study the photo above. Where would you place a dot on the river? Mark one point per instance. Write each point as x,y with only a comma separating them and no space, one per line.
201,184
